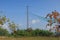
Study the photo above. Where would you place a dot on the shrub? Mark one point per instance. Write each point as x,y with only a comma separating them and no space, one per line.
36,32
3,32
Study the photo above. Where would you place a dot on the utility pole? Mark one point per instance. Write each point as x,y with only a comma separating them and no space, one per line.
27,18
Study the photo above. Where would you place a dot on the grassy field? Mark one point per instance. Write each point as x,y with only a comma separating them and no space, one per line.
30,38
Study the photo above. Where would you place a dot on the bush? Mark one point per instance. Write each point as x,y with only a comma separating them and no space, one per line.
3,32
36,32
41,33
23,33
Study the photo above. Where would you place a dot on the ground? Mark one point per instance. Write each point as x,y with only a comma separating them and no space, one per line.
30,38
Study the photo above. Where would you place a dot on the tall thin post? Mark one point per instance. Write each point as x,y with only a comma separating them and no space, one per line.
27,18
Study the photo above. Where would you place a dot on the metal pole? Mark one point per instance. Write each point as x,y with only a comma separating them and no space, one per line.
27,18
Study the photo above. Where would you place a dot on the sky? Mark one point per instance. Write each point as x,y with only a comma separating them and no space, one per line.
16,11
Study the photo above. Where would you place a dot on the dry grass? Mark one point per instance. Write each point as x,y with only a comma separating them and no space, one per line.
30,38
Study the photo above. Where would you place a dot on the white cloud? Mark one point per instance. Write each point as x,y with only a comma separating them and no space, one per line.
35,21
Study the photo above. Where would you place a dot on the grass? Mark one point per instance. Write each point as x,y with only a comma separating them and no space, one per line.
30,38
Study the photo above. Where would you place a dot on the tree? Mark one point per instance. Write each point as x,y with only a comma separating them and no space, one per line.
13,27
2,19
54,15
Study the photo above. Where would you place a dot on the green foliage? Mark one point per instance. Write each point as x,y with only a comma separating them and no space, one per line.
3,20
3,32
13,26
23,33
36,32
41,33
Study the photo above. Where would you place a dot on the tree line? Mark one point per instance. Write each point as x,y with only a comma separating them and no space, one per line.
12,26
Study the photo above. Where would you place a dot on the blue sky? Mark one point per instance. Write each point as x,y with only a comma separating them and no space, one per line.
16,10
